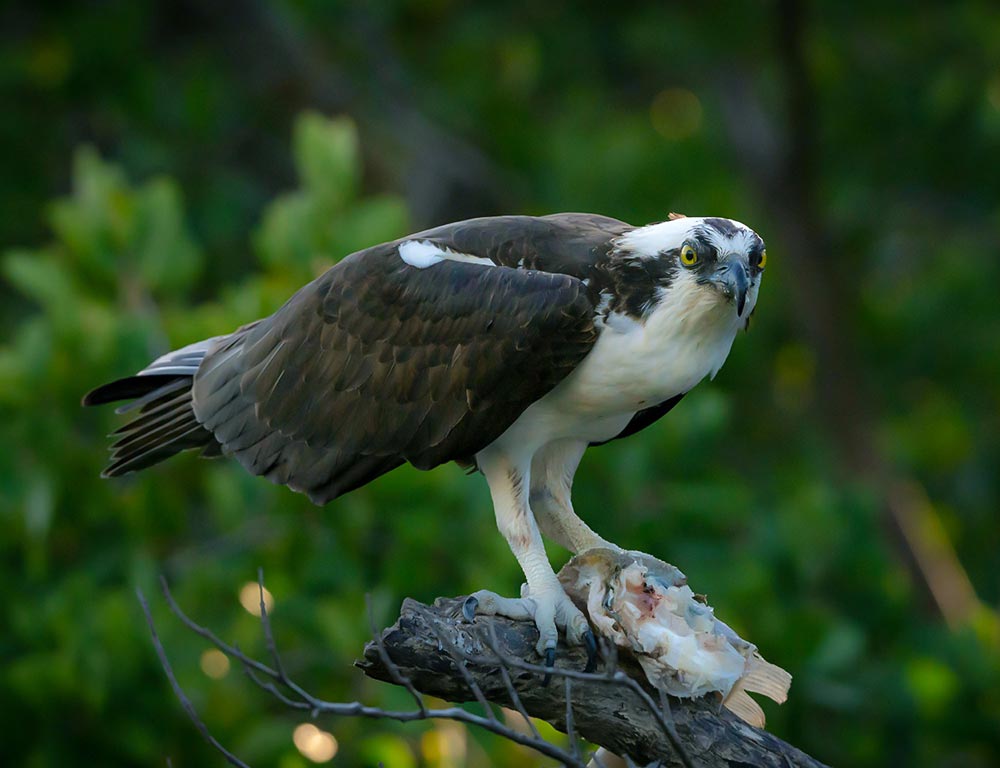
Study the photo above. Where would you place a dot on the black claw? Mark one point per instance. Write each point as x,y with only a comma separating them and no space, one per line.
550,662
469,607
591,644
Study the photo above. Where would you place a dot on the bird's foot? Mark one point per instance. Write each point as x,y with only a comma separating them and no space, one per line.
551,610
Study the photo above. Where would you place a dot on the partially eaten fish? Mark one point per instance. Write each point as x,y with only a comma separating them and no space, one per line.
644,605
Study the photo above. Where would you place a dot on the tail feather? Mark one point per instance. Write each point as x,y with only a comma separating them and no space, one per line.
181,384
164,448
151,413
161,427
165,423
130,388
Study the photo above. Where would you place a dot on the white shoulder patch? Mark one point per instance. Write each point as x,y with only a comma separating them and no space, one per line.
422,254
622,323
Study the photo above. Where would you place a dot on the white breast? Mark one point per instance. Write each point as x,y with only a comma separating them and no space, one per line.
633,366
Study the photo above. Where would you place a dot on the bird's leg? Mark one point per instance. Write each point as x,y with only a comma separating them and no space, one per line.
542,598
552,472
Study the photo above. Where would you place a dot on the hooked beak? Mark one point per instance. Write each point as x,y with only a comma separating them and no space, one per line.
732,280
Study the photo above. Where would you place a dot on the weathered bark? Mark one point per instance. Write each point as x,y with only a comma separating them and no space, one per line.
424,643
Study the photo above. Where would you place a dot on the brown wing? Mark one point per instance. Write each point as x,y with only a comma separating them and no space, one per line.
646,417
377,362
567,243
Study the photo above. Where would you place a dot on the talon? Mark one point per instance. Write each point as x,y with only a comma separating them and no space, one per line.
469,607
591,644
550,662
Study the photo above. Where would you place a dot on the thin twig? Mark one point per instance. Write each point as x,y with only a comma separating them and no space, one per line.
274,690
393,670
657,714
668,715
460,660
570,729
266,624
222,645
617,677
515,697
179,692
319,706
610,653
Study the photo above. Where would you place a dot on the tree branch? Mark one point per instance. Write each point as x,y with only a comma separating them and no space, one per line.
609,707
492,661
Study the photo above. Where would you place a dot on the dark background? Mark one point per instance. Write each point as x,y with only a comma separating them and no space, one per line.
169,170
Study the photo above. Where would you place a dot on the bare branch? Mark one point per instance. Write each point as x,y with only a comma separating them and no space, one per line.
613,674
570,730
266,624
460,659
432,650
610,707
272,689
274,680
393,670
179,692
227,649
507,682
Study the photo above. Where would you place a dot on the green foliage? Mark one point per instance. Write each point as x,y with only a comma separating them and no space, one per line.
302,229
106,228
112,289
622,111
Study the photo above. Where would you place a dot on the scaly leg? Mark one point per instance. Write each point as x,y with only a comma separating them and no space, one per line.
552,471
543,598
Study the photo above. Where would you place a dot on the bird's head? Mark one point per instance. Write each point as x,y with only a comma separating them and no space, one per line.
709,264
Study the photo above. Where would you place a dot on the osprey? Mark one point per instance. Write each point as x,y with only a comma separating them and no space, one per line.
508,344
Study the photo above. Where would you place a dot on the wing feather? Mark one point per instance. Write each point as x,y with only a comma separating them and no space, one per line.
381,360
378,362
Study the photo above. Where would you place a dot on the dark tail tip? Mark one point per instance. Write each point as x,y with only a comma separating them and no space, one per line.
128,388
165,423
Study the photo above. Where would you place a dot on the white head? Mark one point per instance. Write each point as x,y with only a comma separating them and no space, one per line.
711,258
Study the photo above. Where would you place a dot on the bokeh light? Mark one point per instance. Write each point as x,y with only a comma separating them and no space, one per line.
676,113
314,743
250,598
215,663
445,745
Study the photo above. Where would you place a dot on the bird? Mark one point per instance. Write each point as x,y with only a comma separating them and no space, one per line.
507,344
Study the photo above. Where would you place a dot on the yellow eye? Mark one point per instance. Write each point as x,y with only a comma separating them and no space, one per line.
763,260
688,256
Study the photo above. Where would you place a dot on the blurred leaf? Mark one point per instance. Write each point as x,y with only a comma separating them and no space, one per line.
370,221
932,683
168,258
388,749
38,275
95,221
286,233
326,157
